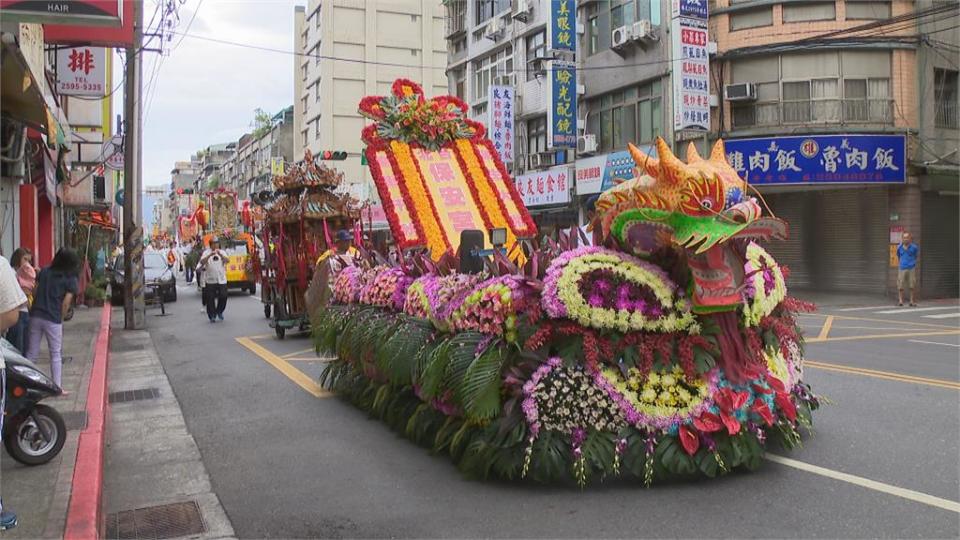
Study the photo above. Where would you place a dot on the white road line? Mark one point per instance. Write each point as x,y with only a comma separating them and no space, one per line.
943,316
903,493
934,343
905,310
862,308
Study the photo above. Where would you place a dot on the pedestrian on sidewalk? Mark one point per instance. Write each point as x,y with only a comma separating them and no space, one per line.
22,263
56,288
12,298
213,265
907,254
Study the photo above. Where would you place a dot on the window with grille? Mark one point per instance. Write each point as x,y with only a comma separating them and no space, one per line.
945,98
537,135
633,114
536,48
486,9
603,17
490,70
99,188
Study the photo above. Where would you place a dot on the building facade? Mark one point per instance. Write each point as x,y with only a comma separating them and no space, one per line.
250,168
354,48
843,114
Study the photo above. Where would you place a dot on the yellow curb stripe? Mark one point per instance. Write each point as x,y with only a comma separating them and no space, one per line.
297,353
887,321
903,493
826,328
292,373
882,374
885,336
309,359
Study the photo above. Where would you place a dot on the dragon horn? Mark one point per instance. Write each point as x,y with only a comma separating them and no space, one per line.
692,155
718,154
643,161
670,165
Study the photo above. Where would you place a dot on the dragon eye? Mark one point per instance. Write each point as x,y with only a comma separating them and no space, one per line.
707,203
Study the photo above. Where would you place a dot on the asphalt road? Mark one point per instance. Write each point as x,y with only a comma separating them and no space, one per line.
286,463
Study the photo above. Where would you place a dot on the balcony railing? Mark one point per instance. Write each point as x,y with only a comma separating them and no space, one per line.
946,115
818,111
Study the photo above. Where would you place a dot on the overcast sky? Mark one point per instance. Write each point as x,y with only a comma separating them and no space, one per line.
205,92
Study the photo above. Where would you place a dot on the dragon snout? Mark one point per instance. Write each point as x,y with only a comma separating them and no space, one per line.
744,212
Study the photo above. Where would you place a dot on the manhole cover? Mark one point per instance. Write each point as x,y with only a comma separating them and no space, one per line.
166,521
75,420
139,394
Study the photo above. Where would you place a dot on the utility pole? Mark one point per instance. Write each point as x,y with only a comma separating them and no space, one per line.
134,310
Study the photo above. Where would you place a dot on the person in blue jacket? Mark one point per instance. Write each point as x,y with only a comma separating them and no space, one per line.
907,253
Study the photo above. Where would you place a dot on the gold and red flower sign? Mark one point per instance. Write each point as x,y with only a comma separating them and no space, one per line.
436,172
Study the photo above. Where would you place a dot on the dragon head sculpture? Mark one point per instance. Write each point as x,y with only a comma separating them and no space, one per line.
698,206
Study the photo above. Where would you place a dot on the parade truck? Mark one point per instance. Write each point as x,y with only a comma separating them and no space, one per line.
239,245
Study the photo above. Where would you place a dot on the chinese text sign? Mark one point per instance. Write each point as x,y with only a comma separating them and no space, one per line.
562,105
500,121
820,159
82,71
561,29
541,188
691,65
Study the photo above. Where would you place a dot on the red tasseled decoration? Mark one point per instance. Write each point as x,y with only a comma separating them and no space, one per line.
590,349
685,350
537,340
734,357
798,306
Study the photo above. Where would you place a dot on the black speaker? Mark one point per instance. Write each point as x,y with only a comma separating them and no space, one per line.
471,241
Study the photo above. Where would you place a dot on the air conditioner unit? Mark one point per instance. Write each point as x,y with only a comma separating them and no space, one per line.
643,30
495,29
740,92
538,66
620,37
536,161
503,80
586,144
522,9
581,89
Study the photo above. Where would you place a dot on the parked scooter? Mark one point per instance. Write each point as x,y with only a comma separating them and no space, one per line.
32,433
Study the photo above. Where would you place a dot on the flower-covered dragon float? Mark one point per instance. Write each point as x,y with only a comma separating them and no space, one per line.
670,351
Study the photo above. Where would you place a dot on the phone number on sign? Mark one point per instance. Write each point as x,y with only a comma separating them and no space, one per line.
81,86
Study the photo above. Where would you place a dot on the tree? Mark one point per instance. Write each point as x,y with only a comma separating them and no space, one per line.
261,124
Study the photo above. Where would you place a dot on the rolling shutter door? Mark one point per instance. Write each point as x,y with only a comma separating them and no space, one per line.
940,236
838,239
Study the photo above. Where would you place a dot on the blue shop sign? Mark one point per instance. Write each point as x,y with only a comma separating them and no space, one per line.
820,159
561,29
693,8
562,112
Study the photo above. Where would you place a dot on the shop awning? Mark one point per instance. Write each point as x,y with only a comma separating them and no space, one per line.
22,97
104,220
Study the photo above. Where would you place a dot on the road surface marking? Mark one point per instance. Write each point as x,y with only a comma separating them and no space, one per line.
868,308
934,343
310,359
943,316
825,330
300,378
903,310
885,336
261,336
888,375
885,321
298,353
903,493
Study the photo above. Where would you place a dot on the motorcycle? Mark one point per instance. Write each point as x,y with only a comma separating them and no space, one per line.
33,434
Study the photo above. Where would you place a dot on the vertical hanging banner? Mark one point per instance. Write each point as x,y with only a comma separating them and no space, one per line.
500,121
562,100
691,65
561,29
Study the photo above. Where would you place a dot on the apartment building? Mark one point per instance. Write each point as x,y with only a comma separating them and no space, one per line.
844,115
251,167
354,48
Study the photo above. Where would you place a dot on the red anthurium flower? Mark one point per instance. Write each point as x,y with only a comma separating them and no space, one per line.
760,407
782,399
732,424
776,384
689,440
761,389
708,422
729,401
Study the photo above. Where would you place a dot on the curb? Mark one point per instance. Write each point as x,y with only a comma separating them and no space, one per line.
83,513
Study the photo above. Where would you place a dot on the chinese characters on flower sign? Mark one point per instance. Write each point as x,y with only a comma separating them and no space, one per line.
81,71
691,65
820,159
561,30
500,121
541,188
562,108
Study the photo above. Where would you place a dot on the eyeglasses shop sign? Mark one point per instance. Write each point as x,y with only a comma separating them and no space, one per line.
541,188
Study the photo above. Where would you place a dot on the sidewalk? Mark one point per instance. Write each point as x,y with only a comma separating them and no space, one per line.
844,300
40,495
155,484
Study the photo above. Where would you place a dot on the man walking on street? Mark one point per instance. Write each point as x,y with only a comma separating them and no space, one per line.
907,253
213,269
12,298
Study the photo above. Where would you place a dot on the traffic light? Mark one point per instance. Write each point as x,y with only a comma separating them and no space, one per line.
333,155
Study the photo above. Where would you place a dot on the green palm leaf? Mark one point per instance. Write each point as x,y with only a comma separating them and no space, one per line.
480,389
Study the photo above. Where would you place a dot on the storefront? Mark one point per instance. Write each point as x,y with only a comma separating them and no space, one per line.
597,174
939,236
840,194
546,194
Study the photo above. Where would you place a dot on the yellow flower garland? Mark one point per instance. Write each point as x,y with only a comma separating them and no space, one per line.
421,201
488,198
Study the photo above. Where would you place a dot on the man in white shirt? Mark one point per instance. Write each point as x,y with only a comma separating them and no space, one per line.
11,299
214,272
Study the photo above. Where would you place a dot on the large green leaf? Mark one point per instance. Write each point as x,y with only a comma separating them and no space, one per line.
480,391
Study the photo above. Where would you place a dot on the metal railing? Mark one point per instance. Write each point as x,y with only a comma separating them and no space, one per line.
946,115
816,111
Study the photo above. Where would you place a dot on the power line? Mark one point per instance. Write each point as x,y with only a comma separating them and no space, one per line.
189,24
